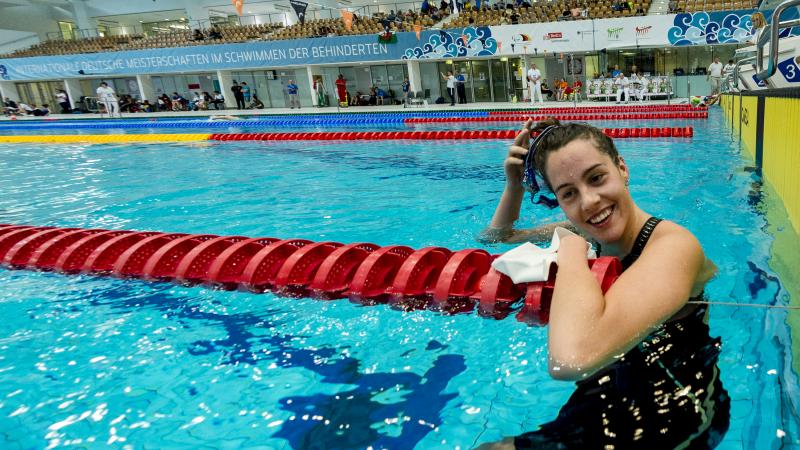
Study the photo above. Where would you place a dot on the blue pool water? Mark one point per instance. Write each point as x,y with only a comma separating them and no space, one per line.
99,362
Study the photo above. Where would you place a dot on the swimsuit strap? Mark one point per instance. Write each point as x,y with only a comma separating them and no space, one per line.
641,241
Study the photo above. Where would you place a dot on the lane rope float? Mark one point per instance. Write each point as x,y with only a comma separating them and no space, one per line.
432,277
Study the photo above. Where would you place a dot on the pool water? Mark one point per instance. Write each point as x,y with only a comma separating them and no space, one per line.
99,362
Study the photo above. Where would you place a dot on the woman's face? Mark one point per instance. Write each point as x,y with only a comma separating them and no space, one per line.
591,189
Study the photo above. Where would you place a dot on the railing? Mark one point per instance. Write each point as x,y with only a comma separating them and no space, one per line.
740,63
770,35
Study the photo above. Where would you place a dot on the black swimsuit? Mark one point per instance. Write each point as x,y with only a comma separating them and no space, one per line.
663,393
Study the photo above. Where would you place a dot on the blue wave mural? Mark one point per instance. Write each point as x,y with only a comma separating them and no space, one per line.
478,42
702,28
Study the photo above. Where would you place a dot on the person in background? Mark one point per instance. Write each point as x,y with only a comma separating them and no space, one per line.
107,96
10,107
714,75
147,107
198,102
63,101
451,86
198,35
238,95
291,89
214,33
217,100
729,68
615,73
577,88
341,89
42,111
380,96
256,103
178,102
546,90
127,104
621,83
405,86
535,84
461,88
245,91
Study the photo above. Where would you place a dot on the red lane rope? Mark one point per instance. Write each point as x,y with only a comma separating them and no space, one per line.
436,135
517,117
432,277
599,109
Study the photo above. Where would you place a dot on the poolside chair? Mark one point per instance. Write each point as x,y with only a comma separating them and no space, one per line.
415,98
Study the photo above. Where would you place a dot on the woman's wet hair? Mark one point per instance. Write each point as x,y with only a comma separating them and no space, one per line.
561,135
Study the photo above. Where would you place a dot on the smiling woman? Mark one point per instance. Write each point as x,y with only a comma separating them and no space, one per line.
643,359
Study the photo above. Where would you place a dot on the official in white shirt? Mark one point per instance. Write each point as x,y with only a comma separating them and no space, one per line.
715,75
107,96
637,86
535,83
621,82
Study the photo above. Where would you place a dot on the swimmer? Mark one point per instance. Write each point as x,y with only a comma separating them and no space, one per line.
698,101
641,356
223,117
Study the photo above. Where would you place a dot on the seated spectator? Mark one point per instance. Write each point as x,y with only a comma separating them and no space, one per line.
41,111
126,104
178,102
26,109
514,18
546,90
626,6
576,12
214,33
147,107
164,103
10,107
198,103
256,103
198,35
577,87
218,100
380,95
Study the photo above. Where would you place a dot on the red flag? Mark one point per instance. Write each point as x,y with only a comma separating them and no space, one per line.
238,4
417,30
347,18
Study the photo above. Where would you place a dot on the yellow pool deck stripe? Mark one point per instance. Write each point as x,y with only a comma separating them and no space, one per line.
103,138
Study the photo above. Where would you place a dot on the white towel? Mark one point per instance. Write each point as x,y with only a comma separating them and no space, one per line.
529,263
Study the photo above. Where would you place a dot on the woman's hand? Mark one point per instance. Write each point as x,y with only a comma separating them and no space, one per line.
514,164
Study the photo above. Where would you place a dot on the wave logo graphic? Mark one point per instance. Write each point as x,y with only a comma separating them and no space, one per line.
472,41
4,73
701,28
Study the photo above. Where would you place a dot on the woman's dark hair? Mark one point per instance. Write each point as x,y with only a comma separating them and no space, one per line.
562,135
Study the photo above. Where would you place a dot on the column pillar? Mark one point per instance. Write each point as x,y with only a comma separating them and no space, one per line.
146,90
81,16
414,76
313,70
196,14
9,89
225,82
74,91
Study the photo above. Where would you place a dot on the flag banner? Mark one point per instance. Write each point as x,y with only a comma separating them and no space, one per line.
299,9
417,30
238,4
347,18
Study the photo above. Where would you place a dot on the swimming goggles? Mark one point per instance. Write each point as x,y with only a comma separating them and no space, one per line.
530,175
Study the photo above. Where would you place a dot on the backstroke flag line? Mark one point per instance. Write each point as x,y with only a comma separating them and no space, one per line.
238,4
347,18
299,9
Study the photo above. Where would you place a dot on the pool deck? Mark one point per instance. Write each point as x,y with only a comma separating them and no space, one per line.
353,109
